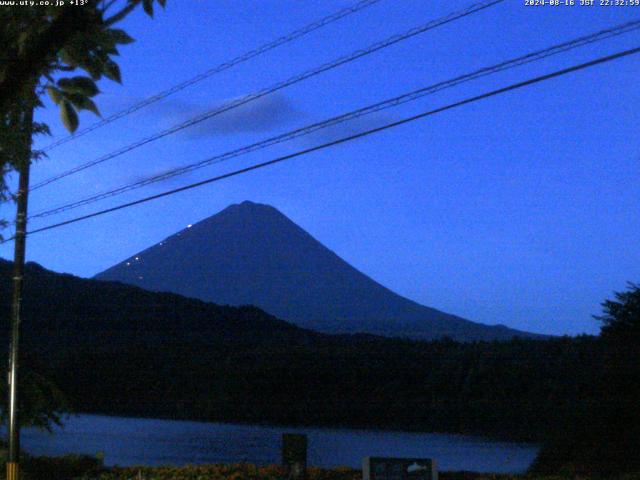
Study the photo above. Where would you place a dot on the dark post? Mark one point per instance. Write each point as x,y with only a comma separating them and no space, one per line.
294,456
13,460
16,308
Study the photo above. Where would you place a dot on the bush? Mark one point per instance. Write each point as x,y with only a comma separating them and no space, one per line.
56,468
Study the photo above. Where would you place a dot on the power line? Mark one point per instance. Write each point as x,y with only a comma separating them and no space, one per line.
278,86
323,146
218,69
393,102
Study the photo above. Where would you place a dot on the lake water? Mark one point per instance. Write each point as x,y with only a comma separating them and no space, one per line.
136,441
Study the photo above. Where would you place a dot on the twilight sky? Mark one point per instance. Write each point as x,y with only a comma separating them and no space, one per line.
522,209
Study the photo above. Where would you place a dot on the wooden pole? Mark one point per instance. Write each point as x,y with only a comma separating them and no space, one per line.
20,243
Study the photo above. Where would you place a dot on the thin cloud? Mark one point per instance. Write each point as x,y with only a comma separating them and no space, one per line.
261,115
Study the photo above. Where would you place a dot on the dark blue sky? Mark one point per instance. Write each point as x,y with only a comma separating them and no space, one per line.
521,209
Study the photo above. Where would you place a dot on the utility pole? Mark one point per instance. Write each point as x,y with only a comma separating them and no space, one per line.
25,119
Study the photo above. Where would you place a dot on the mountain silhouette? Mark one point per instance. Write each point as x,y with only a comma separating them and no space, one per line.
252,254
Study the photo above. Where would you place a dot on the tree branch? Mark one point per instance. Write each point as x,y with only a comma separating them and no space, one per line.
26,68
122,13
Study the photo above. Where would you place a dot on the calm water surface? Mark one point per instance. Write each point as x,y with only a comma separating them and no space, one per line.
136,441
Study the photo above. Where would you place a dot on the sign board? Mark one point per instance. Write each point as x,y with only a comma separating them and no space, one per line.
294,456
381,468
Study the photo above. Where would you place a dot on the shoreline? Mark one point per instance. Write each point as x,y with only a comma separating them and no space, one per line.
494,438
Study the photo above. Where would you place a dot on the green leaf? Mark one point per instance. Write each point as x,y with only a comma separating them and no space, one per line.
89,104
69,116
67,57
82,85
40,128
148,7
120,36
22,41
55,94
80,102
93,67
111,70
112,51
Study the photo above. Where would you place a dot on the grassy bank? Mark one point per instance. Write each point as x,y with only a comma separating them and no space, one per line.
251,472
75,467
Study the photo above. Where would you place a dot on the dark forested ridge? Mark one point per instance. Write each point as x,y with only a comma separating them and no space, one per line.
253,254
117,349
513,389
65,311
